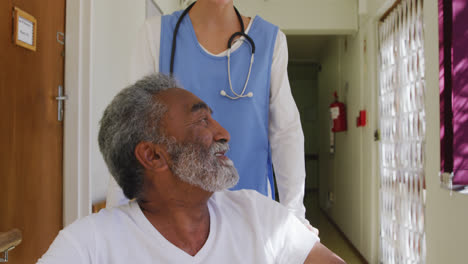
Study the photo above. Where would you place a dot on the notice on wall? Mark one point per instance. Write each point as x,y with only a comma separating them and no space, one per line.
25,29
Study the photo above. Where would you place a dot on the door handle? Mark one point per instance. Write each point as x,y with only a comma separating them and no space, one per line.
8,241
60,98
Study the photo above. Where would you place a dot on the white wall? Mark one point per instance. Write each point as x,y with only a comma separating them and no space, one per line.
351,173
114,27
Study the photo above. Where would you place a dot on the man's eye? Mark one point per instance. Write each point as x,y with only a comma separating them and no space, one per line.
204,120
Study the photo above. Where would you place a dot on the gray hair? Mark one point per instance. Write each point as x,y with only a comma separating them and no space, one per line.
132,117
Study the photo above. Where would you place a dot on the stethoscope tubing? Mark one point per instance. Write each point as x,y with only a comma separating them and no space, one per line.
229,44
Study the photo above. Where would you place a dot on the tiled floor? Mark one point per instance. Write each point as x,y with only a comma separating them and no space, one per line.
329,236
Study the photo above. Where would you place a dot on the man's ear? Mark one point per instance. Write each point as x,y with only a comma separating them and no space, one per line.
151,156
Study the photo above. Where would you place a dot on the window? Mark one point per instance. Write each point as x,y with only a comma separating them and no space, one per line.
403,132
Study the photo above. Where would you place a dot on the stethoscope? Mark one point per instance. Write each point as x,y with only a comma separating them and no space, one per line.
237,34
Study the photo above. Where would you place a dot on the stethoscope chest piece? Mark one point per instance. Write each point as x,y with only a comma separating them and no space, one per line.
223,93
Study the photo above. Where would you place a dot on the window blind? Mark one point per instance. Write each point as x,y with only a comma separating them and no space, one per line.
453,54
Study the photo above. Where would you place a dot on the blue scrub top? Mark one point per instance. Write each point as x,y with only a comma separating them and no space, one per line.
205,75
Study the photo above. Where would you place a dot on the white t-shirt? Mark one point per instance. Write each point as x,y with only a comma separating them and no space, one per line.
245,227
284,130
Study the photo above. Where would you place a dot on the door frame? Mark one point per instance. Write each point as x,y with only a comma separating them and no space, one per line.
76,143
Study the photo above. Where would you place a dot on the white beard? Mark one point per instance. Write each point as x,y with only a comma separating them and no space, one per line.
199,166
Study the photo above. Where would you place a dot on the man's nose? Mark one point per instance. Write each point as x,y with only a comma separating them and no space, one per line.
220,134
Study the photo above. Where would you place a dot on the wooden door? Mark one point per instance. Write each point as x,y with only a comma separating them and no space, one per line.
30,134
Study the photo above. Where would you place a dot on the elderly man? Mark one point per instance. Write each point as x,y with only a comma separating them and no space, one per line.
168,155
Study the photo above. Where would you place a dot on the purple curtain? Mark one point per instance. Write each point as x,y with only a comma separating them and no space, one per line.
453,54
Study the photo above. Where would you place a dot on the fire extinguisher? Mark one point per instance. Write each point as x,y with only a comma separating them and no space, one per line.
338,115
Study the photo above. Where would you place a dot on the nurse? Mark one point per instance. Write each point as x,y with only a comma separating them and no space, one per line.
238,66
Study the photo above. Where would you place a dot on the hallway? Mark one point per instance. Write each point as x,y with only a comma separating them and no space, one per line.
330,236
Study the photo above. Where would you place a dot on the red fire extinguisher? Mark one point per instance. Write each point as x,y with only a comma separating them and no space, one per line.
338,115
